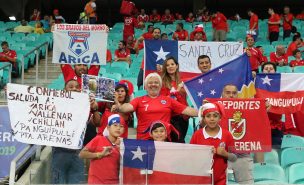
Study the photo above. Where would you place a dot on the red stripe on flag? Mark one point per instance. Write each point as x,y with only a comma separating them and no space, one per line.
133,176
283,102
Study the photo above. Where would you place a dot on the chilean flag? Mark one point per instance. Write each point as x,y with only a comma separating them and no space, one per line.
153,162
187,53
284,91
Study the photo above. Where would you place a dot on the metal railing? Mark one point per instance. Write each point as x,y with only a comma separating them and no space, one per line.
36,50
9,65
13,167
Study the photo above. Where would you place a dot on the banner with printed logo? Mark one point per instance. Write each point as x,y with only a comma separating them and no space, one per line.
247,121
45,116
80,44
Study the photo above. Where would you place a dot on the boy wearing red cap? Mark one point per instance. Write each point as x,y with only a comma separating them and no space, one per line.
104,154
161,131
212,134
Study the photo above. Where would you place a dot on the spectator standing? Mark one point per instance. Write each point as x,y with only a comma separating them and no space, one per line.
287,22
90,10
130,23
253,24
35,16
220,26
254,54
273,25
46,23
57,17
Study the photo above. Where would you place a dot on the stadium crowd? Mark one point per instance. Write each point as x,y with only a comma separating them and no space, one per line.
163,114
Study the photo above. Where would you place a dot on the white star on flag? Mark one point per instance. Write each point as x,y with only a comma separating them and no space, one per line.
161,54
210,79
200,94
266,80
221,70
138,154
212,92
200,81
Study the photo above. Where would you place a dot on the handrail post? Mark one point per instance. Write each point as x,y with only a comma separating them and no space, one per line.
22,72
46,60
13,164
37,60
10,73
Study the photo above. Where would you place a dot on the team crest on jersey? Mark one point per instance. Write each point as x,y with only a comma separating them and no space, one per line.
79,42
237,125
163,102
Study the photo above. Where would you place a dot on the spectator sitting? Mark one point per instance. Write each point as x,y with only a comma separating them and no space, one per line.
279,57
155,17
164,36
35,16
109,56
122,53
8,55
300,16
199,34
264,58
46,23
24,28
38,28
178,16
57,17
296,43
167,18
190,18
142,17
131,43
199,15
298,59
180,33
148,34
206,16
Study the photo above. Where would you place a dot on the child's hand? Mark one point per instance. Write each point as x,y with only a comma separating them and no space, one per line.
221,151
106,151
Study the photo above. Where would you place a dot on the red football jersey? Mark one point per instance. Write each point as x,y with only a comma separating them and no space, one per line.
256,58
182,35
274,27
254,19
122,54
220,163
106,169
274,58
287,25
151,109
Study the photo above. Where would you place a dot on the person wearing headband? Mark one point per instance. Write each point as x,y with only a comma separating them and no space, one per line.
213,135
104,154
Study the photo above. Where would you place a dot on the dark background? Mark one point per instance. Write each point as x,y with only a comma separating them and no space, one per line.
108,10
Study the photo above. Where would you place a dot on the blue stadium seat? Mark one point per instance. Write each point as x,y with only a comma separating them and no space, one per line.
140,93
291,156
296,175
268,172
271,157
115,76
120,70
290,141
123,65
284,69
298,69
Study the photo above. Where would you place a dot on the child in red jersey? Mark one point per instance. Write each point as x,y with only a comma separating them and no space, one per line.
161,131
104,154
212,134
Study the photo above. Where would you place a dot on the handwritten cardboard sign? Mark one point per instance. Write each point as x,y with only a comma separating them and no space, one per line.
46,116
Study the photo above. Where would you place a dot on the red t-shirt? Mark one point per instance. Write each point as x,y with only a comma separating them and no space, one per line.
147,35
294,63
274,27
220,163
219,22
129,24
255,59
155,18
292,46
143,18
188,19
151,109
300,16
106,169
69,73
274,58
122,54
264,59
167,18
109,56
287,25
10,53
182,35
254,19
